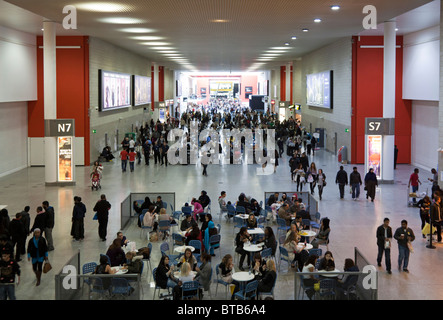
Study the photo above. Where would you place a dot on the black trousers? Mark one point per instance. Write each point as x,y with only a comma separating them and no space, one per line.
17,243
102,228
165,159
78,229
341,187
437,225
157,157
244,254
147,158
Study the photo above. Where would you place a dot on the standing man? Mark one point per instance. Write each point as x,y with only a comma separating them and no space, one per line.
49,224
102,208
147,150
313,143
156,152
18,235
403,235
8,270
355,182
26,220
132,155
164,153
434,181
78,216
342,180
436,217
384,238
124,157
414,181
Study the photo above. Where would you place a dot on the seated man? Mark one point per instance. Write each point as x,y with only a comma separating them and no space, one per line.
187,223
243,202
284,213
158,204
303,213
133,263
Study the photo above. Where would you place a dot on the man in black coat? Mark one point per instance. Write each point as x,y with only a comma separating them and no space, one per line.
436,216
18,235
49,225
78,216
102,208
342,180
384,238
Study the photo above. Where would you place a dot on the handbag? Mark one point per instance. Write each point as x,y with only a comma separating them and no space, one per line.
47,267
95,217
310,178
324,183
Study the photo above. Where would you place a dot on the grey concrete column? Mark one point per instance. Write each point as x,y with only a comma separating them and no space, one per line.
389,98
50,98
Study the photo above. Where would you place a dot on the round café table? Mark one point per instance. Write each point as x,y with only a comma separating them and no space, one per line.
243,277
181,249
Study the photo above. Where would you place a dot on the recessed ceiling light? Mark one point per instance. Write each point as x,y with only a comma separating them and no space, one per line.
396,29
137,30
168,51
275,51
293,37
317,20
219,20
172,54
102,7
281,48
147,38
335,7
305,30
155,44
121,20
286,43
163,48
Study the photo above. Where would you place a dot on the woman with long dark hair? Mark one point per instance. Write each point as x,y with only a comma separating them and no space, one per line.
38,252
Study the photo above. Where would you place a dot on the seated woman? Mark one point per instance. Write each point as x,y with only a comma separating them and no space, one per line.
251,222
104,268
258,266
323,234
266,283
194,234
138,210
204,272
188,257
198,209
270,240
164,277
163,216
226,270
242,237
133,264
295,252
310,280
210,231
149,219
327,262
348,280
116,253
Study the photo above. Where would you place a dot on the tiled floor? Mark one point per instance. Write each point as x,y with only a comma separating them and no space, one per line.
353,223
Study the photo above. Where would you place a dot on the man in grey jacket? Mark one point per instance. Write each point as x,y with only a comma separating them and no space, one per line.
404,235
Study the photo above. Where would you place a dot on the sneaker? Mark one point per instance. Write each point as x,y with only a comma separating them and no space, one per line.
406,270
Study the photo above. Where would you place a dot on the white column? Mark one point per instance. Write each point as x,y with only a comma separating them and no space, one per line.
155,115
389,98
50,98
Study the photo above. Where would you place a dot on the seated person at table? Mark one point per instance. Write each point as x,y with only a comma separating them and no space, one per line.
164,277
159,204
243,202
116,253
211,230
348,280
270,240
296,253
242,237
198,209
163,216
104,268
258,266
226,267
293,229
147,204
122,238
189,258
255,207
204,272
207,217
327,262
272,199
266,283
323,235
303,213
149,220
187,223
194,234
310,280
251,222
222,202
284,214
185,276
133,264
138,210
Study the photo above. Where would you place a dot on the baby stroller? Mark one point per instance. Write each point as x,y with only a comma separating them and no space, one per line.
95,179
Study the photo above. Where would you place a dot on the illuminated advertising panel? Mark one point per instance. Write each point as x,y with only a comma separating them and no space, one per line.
65,162
374,154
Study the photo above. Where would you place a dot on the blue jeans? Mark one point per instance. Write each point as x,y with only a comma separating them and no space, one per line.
7,291
414,189
403,256
124,162
355,190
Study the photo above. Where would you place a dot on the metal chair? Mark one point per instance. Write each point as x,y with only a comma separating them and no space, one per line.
164,247
88,268
210,279
177,240
317,252
120,287
261,222
196,244
96,286
302,287
214,242
218,228
164,226
249,292
149,260
186,210
231,212
190,289
240,210
220,281
143,227
282,225
284,256
327,288
239,223
266,253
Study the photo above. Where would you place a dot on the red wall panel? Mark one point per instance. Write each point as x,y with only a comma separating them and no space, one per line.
367,97
72,89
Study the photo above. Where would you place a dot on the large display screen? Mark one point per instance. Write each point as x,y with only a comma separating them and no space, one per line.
374,154
65,161
115,90
319,90
142,90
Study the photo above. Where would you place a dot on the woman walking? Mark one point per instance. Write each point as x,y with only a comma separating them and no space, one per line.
38,252
321,182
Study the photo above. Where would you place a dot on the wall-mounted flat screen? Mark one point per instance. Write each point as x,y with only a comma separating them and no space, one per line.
319,89
115,90
142,90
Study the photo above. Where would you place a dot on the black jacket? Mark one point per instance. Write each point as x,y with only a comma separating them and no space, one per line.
342,177
355,177
436,214
102,208
161,278
381,235
42,247
204,200
79,211
17,229
39,222
50,219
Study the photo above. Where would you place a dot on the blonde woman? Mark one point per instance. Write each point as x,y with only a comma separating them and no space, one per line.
185,273
291,244
267,282
164,216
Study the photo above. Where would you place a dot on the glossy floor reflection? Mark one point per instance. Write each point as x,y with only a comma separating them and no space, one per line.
353,223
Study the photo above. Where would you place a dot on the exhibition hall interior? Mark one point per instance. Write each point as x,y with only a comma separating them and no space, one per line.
196,95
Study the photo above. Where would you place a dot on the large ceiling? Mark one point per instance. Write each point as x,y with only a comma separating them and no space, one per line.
212,35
